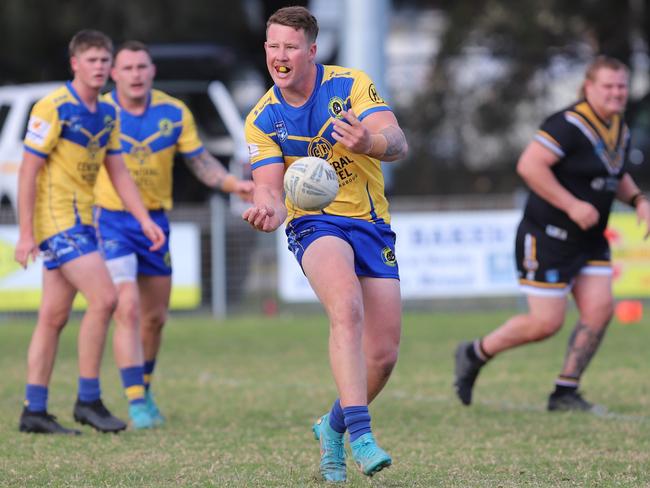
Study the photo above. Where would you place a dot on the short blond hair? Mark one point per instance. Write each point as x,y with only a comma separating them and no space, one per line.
601,62
298,18
87,38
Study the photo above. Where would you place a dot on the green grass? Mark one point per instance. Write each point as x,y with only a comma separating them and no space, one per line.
240,397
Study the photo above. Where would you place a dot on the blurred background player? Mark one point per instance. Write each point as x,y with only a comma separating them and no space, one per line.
575,167
154,126
347,250
70,135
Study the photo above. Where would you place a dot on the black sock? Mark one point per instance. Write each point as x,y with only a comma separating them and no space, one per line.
565,386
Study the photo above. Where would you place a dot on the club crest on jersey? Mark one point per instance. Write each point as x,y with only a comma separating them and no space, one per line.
320,147
165,126
388,257
374,96
109,122
335,107
140,153
281,130
552,276
75,123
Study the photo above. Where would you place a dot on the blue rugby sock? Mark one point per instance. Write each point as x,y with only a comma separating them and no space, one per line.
36,398
148,372
89,390
133,383
357,420
336,418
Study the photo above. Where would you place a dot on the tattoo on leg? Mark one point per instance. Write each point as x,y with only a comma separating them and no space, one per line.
583,344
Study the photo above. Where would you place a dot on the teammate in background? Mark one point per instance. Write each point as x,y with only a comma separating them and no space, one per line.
347,250
575,168
70,135
154,126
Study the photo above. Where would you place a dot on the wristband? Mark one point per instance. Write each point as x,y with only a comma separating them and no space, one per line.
634,201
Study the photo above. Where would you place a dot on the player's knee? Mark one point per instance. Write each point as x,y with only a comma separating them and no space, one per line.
54,320
598,312
105,303
346,314
545,327
127,311
154,320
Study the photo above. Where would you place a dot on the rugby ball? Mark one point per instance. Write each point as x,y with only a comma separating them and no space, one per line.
311,183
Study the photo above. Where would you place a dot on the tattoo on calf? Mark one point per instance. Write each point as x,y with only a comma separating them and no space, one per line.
583,344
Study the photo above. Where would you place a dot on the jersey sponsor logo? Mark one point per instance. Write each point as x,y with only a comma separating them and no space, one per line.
343,171
335,106
556,232
37,130
605,184
374,96
320,147
281,130
388,257
165,126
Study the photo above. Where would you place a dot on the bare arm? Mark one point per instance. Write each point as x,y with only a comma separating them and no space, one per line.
628,192
26,246
534,166
212,173
378,136
268,210
130,196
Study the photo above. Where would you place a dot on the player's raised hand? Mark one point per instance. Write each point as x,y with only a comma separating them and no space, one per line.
25,248
154,233
350,132
584,214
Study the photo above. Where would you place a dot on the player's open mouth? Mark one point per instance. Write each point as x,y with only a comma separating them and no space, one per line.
282,69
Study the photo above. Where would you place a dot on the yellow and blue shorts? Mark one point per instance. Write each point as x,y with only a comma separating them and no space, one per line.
373,243
119,234
68,245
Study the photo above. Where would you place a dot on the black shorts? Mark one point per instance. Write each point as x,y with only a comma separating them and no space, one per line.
548,265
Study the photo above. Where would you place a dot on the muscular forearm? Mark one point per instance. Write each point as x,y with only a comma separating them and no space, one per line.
389,144
211,172
26,199
543,182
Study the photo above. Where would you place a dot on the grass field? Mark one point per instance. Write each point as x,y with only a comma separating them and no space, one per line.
240,397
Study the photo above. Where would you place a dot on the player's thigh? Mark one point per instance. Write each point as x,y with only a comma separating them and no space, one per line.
155,292
328,263
57,296
382,306
593,297
89,275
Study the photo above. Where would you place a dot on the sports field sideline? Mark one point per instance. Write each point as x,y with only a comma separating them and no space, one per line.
240,396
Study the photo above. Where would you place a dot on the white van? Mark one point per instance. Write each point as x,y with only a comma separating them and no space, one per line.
219,123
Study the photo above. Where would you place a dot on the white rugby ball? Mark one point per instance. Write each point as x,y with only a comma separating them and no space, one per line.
311,183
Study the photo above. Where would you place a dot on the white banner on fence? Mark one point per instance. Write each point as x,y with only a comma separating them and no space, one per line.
20,289
444,254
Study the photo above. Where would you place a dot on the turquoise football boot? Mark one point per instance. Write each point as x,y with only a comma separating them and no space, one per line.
368,455
155,414
332,451
140,417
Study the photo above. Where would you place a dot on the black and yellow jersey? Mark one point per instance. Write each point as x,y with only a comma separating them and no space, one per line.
592,160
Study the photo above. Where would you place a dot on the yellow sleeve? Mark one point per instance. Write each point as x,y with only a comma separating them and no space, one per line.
114,145
262,149
364,98
43,128
189,143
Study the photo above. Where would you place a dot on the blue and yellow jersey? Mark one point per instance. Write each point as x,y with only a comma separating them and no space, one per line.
277,132
74,143
149,142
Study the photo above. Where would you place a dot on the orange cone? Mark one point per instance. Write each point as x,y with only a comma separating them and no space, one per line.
629,311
